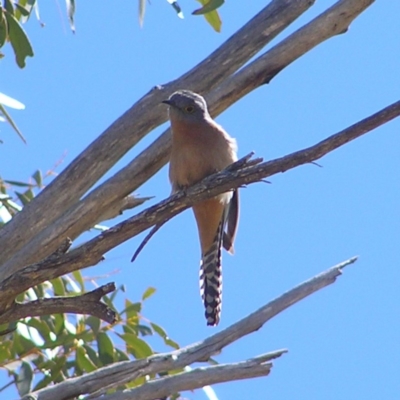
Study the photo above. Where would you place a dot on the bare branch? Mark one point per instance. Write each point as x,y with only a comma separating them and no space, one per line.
81,217
88,303
66,190
122,372
334,21
127,203
44,270
91,252
195,379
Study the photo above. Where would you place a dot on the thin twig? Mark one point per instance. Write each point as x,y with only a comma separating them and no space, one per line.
147,238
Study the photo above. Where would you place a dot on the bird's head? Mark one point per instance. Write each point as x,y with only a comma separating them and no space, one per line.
186,105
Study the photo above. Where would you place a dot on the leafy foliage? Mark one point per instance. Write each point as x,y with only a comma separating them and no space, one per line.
209,10
15,194
51,349
15,13
11,17
40,351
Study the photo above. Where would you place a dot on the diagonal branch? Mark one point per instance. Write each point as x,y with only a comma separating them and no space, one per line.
123,372
84,214
88,303
133,125
197,378
118,208
91,252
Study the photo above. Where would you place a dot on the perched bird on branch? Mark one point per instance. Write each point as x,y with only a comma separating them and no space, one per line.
201,147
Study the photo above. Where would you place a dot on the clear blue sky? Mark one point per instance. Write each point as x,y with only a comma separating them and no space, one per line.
343,341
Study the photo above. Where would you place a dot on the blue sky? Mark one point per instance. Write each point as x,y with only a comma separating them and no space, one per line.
343,341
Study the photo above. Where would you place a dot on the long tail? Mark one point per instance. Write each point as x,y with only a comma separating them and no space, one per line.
211,279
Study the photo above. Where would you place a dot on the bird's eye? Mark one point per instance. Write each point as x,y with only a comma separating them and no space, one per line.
189,109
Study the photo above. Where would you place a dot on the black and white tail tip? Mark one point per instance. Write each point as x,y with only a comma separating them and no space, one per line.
211,280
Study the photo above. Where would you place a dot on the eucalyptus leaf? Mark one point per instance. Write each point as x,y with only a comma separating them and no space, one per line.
24,379
19,40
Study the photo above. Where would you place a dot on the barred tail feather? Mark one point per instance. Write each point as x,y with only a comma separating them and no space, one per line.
211,279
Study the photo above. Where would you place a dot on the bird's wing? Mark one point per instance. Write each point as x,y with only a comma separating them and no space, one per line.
231,222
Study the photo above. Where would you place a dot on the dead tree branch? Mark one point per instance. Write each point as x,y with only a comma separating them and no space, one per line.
210,75
122,372
198,378
148,113
92,252
88,303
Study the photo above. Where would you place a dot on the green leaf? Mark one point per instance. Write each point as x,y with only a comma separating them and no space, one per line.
105,348
66,340
109,303
94,323
141,380
37,176
138,347
16,183
145,330
21,345
54,375
41,327
5,353
24,379
38,290
22,11
59,325
92,355
9,7
130,328
121,356
83,361
7,328
160,331
78,277
148,292
131,309
3,28
19,40
208,6
43,382
86,336
29,194
211,16
58,286
214,20
115,292
171,343
175,396
23,198
4,112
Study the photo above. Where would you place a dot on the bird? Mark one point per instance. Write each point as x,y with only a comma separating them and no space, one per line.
201,147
